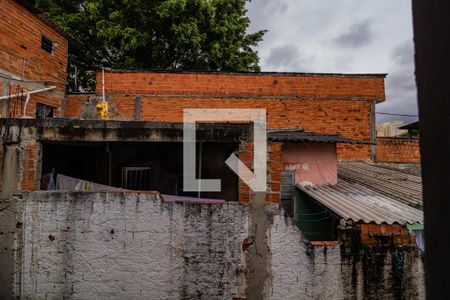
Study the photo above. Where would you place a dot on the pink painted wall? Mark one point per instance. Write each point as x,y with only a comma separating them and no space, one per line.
312,162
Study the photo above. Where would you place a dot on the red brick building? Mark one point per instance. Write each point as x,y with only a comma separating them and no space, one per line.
33,59
338,104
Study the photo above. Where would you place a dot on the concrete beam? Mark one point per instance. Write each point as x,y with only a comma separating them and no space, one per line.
61,130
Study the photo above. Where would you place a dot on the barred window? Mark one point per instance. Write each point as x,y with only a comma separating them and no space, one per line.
47,44
44,111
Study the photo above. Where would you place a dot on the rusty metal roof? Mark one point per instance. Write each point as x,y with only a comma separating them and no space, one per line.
356,202
397,185
299,135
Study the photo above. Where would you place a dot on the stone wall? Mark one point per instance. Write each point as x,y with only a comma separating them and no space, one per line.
122,245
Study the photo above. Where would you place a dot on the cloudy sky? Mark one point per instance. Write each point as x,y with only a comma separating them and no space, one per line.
342,36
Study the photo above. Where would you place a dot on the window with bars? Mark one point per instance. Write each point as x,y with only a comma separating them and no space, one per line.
136,178
47,44
44,111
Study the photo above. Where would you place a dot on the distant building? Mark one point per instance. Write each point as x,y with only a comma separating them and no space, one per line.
390,129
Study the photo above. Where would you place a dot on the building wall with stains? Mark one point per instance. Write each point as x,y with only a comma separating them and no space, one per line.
123,245
325,103
24,65
302,271
22,152
105,245
314,163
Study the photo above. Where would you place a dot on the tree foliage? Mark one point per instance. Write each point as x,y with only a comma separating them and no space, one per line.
159,34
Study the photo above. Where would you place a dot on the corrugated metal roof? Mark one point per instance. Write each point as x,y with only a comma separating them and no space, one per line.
398,185
355,202
299,135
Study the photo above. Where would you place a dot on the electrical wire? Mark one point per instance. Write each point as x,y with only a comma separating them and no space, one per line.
400,115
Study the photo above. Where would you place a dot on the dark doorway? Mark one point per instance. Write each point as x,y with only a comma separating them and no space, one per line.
316,222
154,166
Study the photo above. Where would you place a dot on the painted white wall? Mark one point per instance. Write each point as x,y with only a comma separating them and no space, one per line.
127,246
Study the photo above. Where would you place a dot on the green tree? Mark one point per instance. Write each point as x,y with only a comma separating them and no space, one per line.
159,34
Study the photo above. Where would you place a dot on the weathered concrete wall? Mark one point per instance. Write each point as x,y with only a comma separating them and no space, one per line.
129,246
11,225
22,140
302,271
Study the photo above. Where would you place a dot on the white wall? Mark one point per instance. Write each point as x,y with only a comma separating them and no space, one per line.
129,246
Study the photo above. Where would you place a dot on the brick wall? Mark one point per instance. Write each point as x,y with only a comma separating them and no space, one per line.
73,104
29,167
332,104
386,235
398,150
274,167
21,55
273,192
244,84
20,155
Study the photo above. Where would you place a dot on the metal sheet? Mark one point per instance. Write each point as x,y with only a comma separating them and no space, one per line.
403,187
355,202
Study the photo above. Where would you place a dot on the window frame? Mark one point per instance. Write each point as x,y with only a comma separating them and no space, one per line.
45,106
46,40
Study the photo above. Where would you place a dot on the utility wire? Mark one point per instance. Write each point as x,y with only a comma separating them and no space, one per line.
392,114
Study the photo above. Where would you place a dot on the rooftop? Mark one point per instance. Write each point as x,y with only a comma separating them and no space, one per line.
353,201
411,126
395,184
299,135
371,193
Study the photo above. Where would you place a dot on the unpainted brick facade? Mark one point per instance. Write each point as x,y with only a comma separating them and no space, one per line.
325,103
24,65
398,150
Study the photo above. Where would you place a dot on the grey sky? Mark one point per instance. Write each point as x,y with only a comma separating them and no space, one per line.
342,36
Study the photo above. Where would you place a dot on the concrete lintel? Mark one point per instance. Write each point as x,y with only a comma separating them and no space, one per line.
55,130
